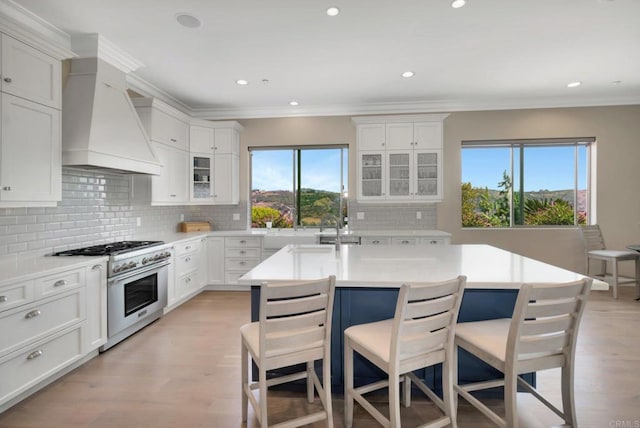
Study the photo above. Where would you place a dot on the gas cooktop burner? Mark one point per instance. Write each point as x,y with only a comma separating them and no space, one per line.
109,249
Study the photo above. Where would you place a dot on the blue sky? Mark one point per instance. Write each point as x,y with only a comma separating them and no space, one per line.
545,167
273,169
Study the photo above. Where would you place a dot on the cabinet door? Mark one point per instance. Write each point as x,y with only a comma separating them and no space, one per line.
226,175
30,168
226,141
96,279
399,174
29,73
371,172
427,135
171,186
201,139
428,175
371,136
399,136
215,260
201,177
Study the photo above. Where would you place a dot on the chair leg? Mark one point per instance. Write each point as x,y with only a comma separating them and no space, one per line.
447,389
615,279
394,399
454,382
406,391
244,366
326,386
568,397
510,404
310,386
263,397
348,383
637,262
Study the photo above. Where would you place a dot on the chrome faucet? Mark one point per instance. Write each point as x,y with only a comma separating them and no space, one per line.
337,221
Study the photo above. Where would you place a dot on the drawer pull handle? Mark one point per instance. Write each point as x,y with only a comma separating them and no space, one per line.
35,354
188,280
433,242
243,263
405,241
376,242
187,260
7,79
243,252
188,247
33,314
173,139
60,283
3,299
97,267
243,241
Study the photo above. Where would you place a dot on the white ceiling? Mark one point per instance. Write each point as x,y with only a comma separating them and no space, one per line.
488,54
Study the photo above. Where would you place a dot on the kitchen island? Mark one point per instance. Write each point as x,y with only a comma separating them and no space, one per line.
368,278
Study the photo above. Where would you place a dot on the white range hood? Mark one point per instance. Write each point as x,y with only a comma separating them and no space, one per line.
100,126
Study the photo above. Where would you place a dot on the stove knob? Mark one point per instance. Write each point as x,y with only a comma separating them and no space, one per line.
145,261
117,269
131,265
166,254
157,257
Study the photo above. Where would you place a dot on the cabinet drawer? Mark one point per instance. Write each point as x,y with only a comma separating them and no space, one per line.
187,283
186,263
244,265
243,253
432,241
169,130
232,277
187,247
404,241
375,241
242,242
58,283
16,294
29,323
24,369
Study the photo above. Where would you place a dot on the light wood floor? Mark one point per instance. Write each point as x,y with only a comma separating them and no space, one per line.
184,370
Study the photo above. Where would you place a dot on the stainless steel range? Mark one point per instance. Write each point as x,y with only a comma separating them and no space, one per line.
136,284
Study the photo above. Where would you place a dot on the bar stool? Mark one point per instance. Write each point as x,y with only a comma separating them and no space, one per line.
420,335
294,328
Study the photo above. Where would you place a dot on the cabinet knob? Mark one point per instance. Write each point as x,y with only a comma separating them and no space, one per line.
35,354
7,79
33,314
3,299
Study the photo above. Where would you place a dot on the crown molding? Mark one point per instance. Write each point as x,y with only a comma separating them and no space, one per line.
29,28
146,89
94,45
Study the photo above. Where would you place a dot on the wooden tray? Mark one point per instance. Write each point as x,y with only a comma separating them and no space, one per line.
195,226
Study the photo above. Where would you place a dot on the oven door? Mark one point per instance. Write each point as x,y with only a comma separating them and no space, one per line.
133,296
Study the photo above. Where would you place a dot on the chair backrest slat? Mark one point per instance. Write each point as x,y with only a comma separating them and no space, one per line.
295,315
592,237
546,319
425,318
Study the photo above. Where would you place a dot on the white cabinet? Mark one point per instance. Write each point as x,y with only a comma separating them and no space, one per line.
30,74
49,322
215,162
241,255
30,151
30,165
189,277
397,238
169,133
399,158
215,260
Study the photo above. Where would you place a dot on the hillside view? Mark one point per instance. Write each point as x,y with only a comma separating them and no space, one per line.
277,206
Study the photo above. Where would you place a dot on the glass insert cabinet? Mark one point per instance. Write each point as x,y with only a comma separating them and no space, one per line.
202,170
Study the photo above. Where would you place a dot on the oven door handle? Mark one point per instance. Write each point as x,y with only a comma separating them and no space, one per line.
139,271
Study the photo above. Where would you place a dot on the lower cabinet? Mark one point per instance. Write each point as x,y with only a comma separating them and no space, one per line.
241,254
48,323
189,271
215,260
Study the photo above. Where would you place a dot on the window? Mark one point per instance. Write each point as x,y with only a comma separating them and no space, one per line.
300,186
525,182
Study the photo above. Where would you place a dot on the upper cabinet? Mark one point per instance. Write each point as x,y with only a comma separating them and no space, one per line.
168,130
215,174
399,158
30,153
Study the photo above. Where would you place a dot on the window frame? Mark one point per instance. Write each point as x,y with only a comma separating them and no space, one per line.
521,144
296,160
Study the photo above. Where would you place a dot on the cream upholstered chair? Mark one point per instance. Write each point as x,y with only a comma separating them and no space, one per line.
294,328
541,335
420,335
596,250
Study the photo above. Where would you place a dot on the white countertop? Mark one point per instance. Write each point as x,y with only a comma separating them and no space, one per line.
486,267
25,268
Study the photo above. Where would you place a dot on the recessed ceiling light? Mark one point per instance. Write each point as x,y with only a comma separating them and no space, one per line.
187,20
456,4
573,84
293,103
242,82
408,74
333,11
